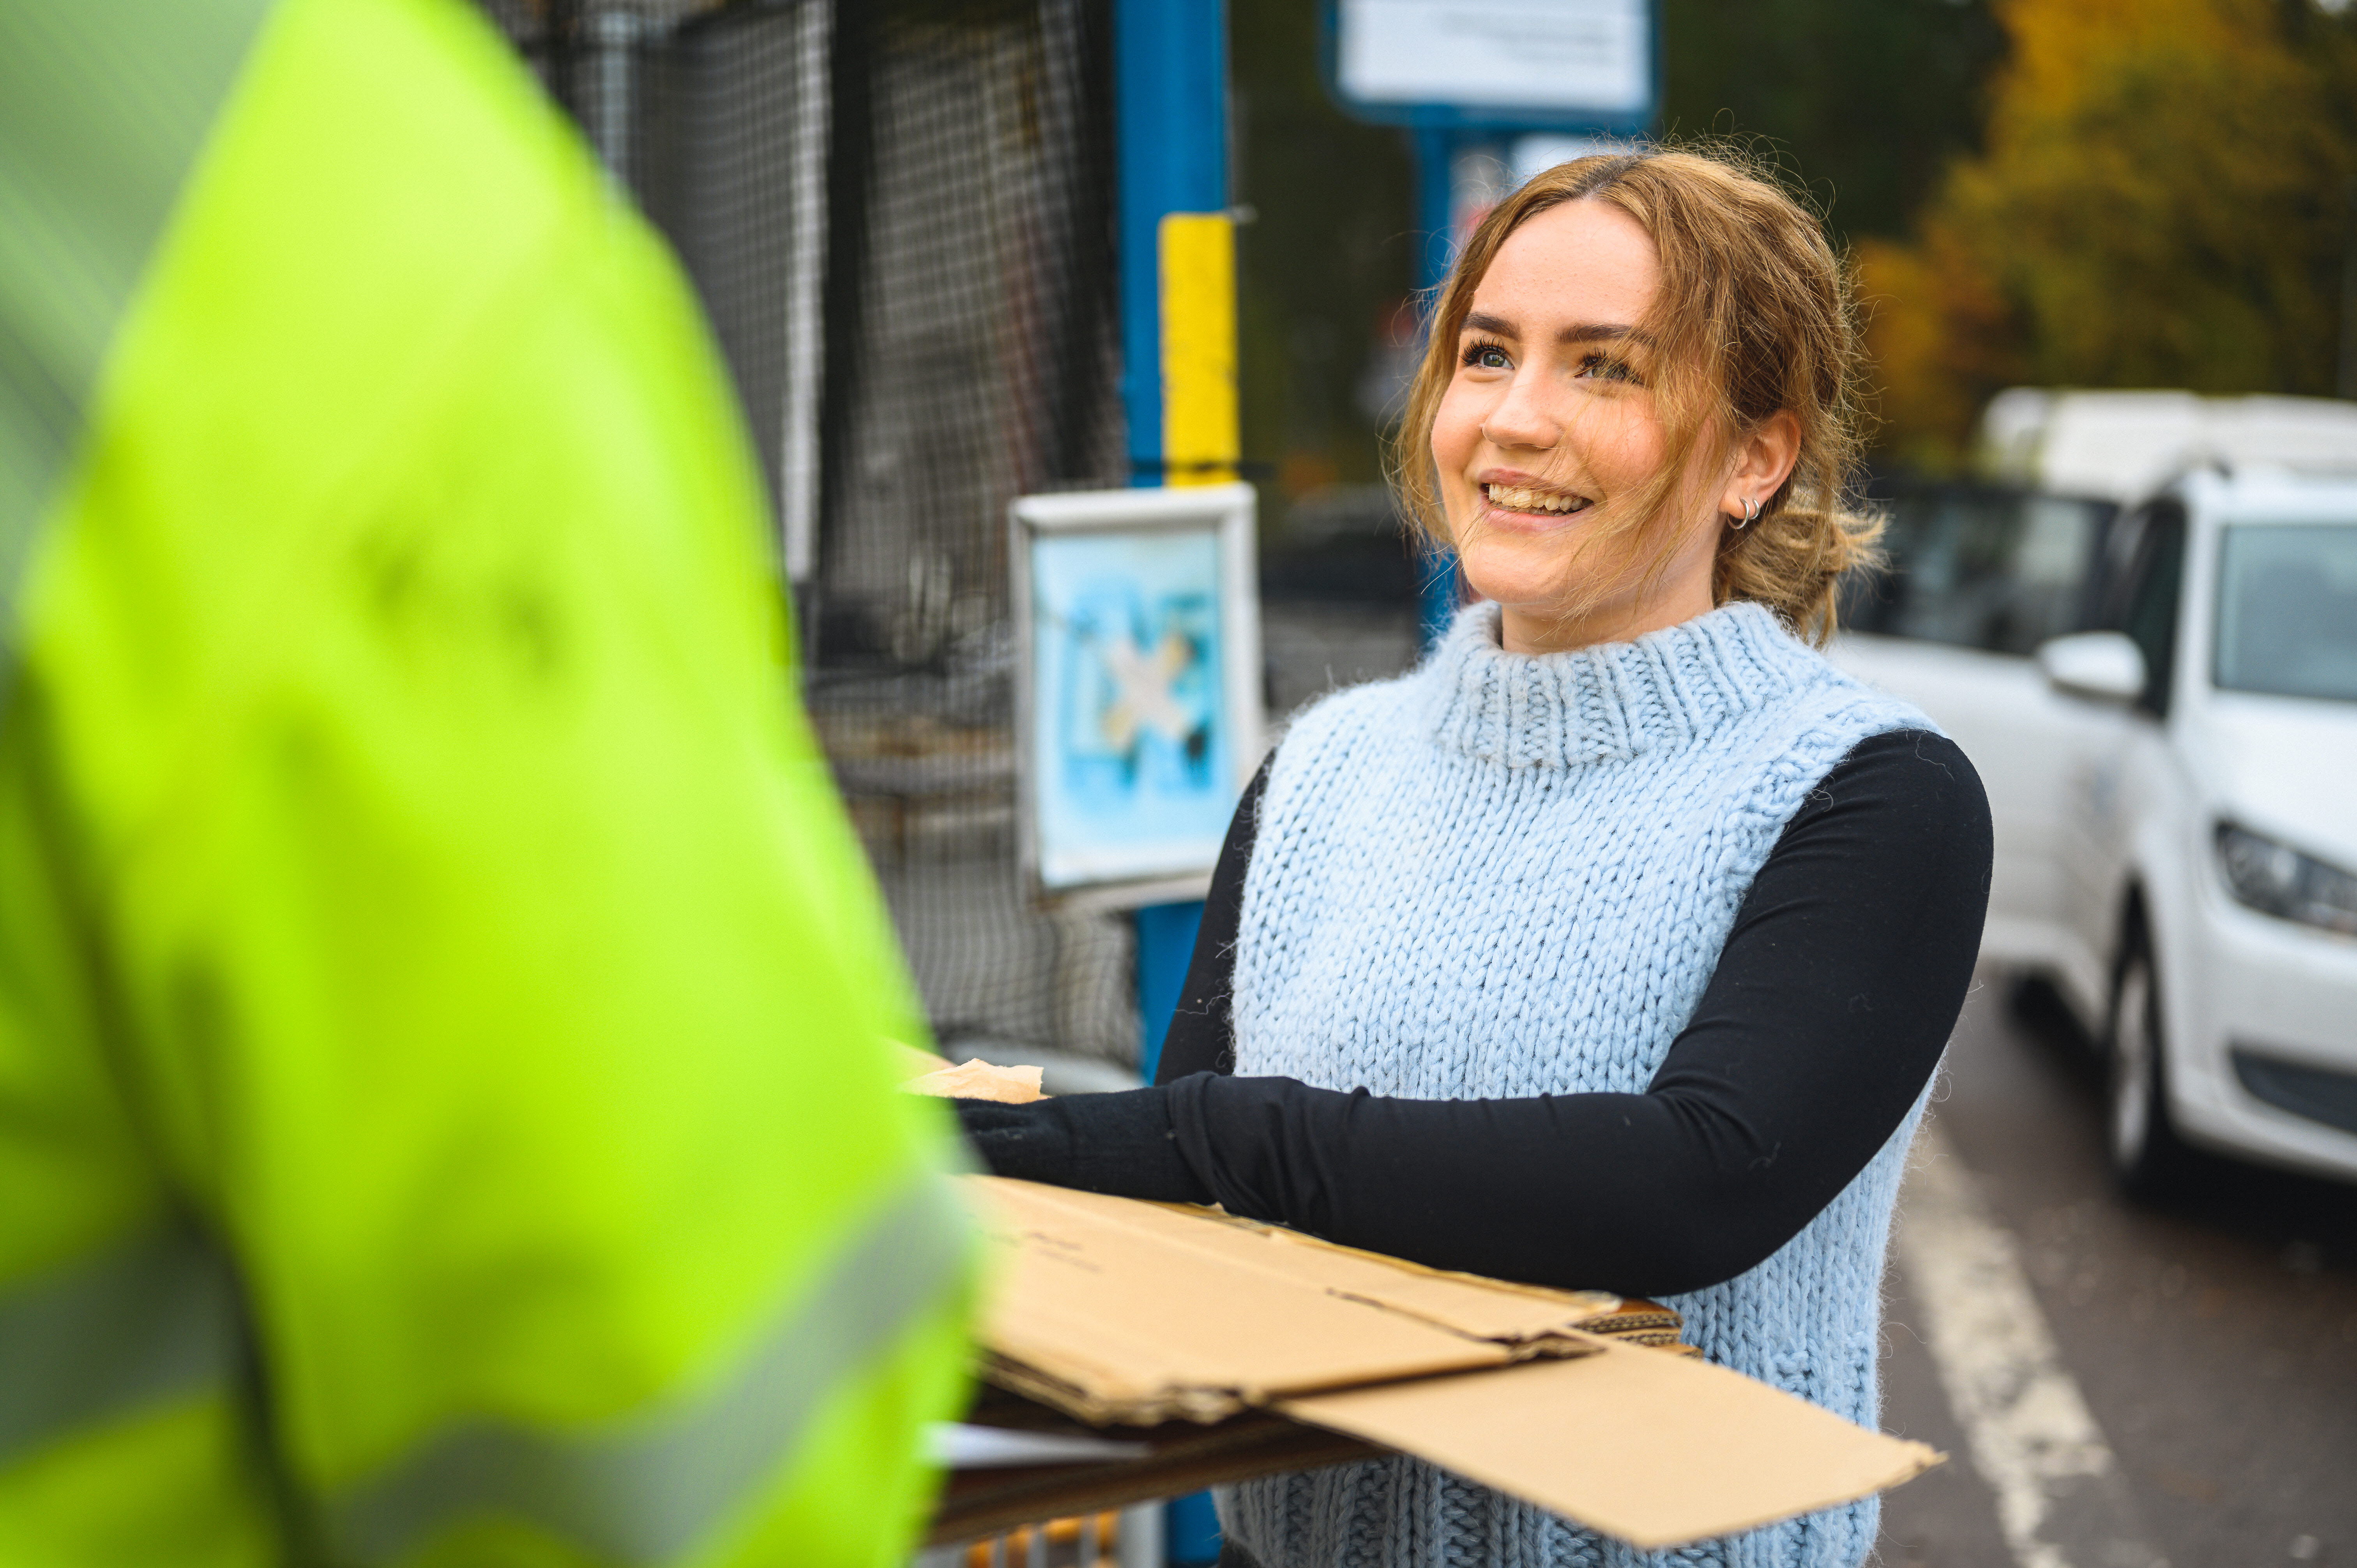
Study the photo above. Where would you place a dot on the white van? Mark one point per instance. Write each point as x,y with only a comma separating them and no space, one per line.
2161,698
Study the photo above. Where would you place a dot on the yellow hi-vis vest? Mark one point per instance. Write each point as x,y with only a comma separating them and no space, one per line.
442,1111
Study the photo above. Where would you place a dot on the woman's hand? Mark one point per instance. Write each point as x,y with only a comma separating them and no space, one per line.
1118,1143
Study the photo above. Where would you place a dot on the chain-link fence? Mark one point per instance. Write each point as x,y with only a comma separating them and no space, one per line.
899,214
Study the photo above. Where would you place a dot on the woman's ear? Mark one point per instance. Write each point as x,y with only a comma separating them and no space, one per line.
1764,461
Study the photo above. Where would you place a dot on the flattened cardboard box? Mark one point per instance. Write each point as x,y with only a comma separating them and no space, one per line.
1118,1312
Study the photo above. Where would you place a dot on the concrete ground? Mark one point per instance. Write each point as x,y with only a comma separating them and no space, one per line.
2212,1347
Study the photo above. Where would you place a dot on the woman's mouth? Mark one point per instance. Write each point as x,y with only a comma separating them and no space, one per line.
1531,499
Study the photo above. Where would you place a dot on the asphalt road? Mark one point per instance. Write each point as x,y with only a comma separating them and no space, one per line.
2117,1386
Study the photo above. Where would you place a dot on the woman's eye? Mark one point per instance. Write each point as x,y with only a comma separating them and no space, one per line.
1604,368
1488,357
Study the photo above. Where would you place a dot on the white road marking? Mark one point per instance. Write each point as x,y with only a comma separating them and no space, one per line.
2031,1434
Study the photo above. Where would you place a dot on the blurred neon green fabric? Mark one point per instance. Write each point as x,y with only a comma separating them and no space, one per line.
442,1118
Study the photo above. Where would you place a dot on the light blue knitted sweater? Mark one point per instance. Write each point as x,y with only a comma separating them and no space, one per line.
1506,876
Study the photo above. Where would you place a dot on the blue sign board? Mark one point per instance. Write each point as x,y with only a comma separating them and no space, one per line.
1133,755
1137,686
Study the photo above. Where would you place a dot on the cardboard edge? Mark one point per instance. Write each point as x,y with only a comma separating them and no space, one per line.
975,1504
1908,1458
1579,1307
1196,1407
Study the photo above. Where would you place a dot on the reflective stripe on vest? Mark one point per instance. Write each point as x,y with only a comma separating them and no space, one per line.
141,1325
103,104
644,1490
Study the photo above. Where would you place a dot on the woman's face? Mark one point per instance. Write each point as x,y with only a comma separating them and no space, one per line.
1550,414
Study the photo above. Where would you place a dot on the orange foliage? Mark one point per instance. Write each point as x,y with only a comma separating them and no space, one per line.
2164,199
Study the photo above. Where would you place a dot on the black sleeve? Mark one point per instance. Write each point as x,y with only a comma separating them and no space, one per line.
1832,1000
1201,1037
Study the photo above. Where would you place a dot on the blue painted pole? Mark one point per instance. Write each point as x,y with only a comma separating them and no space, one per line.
1436,156
1170,117
1165,943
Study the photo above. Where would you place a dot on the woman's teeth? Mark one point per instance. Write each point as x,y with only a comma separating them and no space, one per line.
1522,498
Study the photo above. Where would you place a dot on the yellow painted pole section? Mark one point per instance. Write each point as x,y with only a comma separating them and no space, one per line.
1200,436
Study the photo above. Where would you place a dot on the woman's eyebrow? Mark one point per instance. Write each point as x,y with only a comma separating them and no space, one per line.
1578,332
1604,332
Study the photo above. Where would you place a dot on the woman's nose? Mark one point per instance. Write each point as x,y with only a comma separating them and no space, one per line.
1520,418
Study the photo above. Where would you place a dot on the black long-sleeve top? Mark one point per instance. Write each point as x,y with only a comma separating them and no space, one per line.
1824,1017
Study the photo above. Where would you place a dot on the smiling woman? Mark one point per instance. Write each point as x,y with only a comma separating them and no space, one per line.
1660,346
1615,946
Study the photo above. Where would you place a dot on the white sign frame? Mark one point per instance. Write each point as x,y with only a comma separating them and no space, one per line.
1156,875
1588,66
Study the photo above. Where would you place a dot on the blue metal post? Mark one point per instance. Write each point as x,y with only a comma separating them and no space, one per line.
1170,108
1436,157
1170,117
1165,943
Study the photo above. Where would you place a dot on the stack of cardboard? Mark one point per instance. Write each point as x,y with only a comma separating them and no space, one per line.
1225,1349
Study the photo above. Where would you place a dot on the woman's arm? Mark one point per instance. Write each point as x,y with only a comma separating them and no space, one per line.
1202,1036
1827,1014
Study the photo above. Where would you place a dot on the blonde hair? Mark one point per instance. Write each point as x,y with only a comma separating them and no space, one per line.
1754,317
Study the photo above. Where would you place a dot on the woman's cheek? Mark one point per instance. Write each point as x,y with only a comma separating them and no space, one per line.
1620,448
1456,428
1456,433
1643,447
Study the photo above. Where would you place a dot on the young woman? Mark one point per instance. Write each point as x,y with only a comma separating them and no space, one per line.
1616,945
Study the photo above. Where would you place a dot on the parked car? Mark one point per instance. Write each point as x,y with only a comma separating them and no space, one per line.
2161,697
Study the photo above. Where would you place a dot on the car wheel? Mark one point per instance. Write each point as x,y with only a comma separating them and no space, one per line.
2147,1154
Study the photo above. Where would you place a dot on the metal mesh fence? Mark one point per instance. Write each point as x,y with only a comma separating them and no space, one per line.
899,214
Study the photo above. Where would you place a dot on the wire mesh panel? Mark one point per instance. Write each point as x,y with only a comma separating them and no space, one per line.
972,357
716,117
899,216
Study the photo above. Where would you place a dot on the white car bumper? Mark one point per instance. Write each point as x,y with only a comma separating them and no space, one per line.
2264,1058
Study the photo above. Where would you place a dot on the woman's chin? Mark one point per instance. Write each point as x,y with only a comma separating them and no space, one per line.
1515,574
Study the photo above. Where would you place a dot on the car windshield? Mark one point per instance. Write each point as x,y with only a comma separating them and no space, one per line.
1977,567
2288,610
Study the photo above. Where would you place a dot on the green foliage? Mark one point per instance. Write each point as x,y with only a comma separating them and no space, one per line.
1866,100
1322,264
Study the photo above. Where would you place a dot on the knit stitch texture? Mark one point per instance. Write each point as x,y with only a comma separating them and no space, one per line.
1504,876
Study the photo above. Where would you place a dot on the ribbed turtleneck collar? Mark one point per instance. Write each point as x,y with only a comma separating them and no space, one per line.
1614,700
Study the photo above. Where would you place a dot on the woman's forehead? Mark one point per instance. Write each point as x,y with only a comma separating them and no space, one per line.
1580,263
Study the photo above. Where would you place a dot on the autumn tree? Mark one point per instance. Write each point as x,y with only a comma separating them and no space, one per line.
2166,196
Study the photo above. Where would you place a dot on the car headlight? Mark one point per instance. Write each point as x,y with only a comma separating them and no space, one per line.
2277,879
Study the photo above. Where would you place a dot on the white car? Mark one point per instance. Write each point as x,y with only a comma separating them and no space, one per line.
2174,795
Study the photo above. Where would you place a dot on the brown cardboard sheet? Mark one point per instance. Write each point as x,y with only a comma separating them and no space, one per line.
925,1073
1113,1311
1657,1450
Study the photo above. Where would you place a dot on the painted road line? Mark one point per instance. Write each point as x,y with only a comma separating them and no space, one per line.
2059,1497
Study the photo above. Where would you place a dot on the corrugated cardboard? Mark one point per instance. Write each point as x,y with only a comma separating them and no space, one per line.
927,1074
1657,1450
1116,1311
980,1081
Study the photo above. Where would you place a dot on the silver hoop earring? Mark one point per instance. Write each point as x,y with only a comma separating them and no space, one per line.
1751,513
